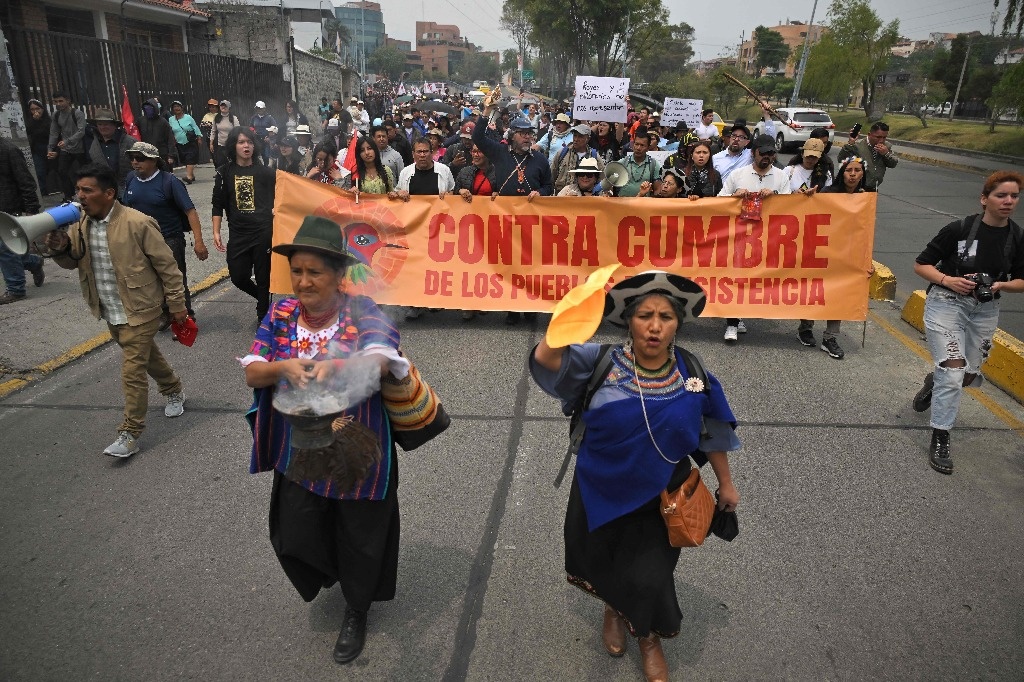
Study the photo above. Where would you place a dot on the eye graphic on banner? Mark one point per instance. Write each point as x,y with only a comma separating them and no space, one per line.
373,234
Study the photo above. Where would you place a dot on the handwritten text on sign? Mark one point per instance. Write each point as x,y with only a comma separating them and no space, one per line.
808,258
600,99
685,110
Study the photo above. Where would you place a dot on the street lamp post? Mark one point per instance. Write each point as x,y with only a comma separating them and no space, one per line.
803,57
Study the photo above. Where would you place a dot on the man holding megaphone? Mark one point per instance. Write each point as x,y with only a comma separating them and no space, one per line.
127,272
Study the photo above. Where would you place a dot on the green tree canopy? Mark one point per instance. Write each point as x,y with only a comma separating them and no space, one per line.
1008,94
770,49
672,52
861,45
387,60
1014,13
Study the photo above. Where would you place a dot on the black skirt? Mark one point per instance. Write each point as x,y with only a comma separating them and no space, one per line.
627,563
321,541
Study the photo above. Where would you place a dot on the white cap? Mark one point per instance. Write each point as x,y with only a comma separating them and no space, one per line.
272,130
261,105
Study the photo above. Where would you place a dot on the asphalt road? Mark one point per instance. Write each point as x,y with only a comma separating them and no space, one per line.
854,560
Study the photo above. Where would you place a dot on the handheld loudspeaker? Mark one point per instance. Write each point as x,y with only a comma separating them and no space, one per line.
616,174
17,232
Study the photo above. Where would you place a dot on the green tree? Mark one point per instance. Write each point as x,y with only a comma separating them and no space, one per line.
597,36
516,21
770,49
323,53
722,92
1014,12
671,56
387,60
476,66
828,76
335,30
863,42
1008,95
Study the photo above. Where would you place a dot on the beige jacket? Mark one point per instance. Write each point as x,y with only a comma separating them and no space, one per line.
144,265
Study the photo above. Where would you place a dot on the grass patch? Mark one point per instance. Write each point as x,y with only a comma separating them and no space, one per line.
1007,139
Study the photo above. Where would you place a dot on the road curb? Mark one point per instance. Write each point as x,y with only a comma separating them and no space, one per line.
1005,364
38,372
882,286
943,164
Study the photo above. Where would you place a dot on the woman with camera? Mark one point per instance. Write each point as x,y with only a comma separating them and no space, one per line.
969,264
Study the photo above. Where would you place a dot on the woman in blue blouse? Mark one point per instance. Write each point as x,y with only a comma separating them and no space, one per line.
333,514
643,424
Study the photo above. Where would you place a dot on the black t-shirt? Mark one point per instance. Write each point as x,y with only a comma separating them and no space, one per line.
246,194
986,253
423,182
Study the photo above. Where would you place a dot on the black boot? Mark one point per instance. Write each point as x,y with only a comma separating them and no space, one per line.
352,636
923,399
938,455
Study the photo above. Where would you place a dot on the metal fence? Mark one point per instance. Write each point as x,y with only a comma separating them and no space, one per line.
92,72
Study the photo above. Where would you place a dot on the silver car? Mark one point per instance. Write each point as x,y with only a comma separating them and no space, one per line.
796,126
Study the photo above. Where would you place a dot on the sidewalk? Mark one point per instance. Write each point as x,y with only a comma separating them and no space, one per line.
947,157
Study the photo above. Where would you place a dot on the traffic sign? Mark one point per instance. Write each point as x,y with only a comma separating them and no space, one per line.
527,74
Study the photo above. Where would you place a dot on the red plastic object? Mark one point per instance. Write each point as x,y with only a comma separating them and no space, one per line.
185,332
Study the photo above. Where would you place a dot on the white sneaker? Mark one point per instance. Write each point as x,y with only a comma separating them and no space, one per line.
741,327
175,405
124,446
730,334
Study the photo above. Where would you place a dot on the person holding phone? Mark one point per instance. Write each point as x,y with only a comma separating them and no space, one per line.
874,149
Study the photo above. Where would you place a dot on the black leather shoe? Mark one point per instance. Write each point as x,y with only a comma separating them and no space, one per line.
352,636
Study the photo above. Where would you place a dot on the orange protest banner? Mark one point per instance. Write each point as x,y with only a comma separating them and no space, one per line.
808,257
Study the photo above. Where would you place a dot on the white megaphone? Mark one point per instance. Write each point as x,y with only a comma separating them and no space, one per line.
18,232
616,174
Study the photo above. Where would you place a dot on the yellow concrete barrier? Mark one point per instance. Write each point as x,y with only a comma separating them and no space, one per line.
883,283
1005,365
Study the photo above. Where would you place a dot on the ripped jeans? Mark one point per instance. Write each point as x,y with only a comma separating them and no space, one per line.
957,328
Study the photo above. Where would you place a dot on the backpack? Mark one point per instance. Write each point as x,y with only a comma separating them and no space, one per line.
577,427
167,179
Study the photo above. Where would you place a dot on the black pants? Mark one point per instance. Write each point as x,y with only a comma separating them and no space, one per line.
67,166
248,257
177,245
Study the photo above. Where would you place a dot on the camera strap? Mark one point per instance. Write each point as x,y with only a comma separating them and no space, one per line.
1008,245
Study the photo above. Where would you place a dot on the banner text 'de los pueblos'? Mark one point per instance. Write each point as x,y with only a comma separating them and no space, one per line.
808,257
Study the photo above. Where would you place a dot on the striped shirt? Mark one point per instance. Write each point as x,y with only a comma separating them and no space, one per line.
111,308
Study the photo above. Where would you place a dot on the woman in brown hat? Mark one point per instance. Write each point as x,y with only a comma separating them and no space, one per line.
333,517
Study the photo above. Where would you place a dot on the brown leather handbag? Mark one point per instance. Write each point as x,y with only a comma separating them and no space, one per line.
688,511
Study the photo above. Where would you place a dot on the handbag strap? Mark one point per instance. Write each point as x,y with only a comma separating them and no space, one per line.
576,424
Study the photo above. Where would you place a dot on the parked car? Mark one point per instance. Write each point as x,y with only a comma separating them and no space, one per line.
796,125
717,121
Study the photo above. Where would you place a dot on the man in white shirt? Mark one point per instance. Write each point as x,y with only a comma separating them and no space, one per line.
706,129
360,117
761,177
736,155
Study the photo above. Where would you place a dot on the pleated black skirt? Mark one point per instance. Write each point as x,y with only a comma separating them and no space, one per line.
627,563
321,541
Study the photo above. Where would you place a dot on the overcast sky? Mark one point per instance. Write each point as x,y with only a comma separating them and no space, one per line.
714,34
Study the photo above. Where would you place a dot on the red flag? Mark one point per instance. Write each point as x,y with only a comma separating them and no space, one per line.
127,117
350,157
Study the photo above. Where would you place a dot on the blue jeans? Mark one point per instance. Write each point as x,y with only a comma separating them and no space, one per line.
958,328
14,267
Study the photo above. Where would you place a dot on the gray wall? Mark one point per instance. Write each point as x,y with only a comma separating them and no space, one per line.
316,77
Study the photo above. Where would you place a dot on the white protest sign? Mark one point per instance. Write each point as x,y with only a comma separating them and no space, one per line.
685,110
659,157
600,98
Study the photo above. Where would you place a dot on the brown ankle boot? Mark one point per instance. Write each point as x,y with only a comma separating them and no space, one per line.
655,667
614,632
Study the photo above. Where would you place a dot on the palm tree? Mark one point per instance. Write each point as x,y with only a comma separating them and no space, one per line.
336,32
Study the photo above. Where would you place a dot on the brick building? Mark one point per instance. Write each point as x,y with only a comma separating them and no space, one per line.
793,34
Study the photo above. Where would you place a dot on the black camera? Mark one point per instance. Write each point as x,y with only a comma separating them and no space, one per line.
982,286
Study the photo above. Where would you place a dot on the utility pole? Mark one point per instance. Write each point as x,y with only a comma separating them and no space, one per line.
803,57
963,70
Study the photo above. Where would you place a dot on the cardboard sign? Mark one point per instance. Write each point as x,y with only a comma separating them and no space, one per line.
685,110
600,99
806,258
